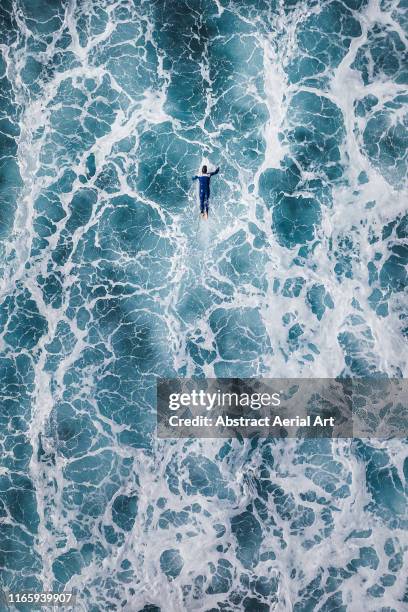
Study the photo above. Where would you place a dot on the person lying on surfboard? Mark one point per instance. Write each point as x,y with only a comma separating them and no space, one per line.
204,180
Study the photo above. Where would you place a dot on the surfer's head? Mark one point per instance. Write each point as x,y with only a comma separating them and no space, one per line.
204,169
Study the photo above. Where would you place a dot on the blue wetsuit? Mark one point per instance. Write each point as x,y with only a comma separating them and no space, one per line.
204,180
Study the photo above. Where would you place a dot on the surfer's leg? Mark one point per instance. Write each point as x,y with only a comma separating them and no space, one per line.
202,202
206,201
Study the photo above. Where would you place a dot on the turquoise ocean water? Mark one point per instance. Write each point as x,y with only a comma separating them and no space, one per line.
107,109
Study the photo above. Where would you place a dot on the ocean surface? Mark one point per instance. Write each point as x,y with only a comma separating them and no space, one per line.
109,280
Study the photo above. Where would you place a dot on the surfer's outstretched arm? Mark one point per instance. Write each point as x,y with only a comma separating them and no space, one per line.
194,178
215,171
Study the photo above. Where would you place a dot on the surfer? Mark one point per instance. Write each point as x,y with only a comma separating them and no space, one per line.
204,180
